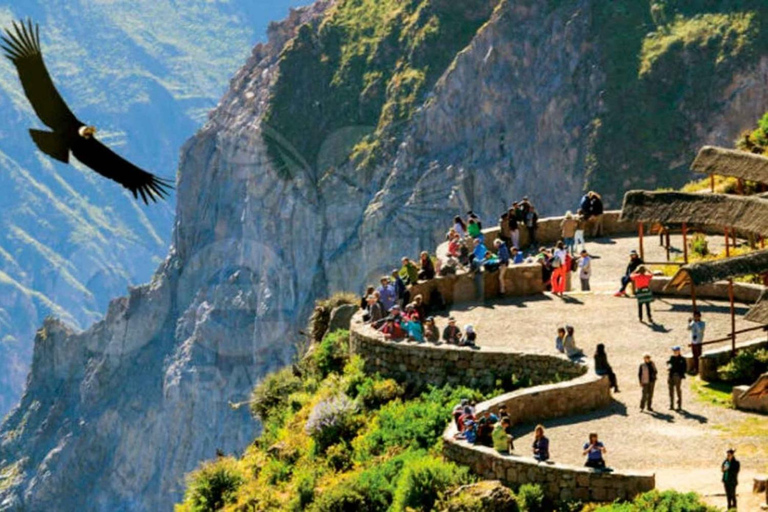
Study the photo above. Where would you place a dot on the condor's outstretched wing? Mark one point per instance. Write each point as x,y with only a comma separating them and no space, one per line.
23,49
109,164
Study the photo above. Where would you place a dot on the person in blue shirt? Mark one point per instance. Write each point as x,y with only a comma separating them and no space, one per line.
594,450
402,296
387,294
479,254
517,256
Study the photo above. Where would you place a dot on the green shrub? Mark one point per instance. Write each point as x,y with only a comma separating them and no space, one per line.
331,354
699,244
745,368
305,489
530,497
423,481
344,497
332,420
271,393
276,471
339,457
655,501
213,486
374,393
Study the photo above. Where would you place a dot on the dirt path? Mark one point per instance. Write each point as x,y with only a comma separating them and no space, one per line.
684,448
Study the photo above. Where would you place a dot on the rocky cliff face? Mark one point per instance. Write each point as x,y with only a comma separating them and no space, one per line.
115,416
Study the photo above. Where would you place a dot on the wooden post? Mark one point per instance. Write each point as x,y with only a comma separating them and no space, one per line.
727,244
712,183
762,242
640,239
668,243
733,236
740,186
733,317
685,243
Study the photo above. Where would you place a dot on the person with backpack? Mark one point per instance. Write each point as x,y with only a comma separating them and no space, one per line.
596,213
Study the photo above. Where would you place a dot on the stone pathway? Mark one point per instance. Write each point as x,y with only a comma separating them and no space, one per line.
683,448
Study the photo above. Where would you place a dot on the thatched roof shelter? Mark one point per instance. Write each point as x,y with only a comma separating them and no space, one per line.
759,312
731,163
759,389
745,213
705,272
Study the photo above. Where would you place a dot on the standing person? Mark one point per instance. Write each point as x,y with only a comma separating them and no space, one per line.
643,294
585,270
364,298
473,229
375,310
594,450
479,254
502,252
568,231
581,225
460,226
540,444
602,367
402,295
634,262
504,232
647,376
676,367
696,326
561,268
531,223
452,333
514,231
584,206
387,294
730,469
596,212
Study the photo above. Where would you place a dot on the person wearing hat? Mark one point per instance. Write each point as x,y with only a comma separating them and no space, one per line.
642,283
431,334
676,367
730,469
634,262
468,340
452,333
646,373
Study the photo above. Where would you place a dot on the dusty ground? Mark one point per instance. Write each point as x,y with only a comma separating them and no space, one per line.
684,448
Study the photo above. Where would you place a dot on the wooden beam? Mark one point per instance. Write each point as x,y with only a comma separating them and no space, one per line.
685,243
640,239
733,317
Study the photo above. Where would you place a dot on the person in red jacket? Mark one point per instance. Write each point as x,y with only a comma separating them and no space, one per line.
392,330
642,282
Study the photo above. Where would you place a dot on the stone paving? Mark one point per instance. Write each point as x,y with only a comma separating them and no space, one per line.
684,448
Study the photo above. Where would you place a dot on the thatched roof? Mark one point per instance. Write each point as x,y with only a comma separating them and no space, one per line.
710,271
733,163
759,312
745,213
759,388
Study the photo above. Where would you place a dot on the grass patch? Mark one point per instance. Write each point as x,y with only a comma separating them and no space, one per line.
714,393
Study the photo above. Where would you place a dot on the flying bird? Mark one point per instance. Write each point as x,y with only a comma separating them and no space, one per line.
69,133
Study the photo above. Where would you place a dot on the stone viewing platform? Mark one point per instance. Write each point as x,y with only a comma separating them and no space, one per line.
665,449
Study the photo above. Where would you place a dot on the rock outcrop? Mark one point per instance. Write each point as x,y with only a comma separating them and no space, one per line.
114,417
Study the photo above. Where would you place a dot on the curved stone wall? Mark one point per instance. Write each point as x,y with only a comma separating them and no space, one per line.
419,364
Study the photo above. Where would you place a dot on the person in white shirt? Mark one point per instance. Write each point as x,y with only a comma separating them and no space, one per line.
696,326
585,270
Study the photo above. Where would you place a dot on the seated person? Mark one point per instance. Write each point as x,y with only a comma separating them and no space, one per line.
540,444
569,344
468,340
413,328
450,267
484,431
479,255
473,229
470,431
409,272
503,442
420,307
375,310
452,333
427,270
454,243
392,329
560,340
458,411
364,299
431,333
517,256
602,367
594,450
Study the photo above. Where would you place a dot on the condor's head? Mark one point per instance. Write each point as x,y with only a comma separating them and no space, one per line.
87,132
